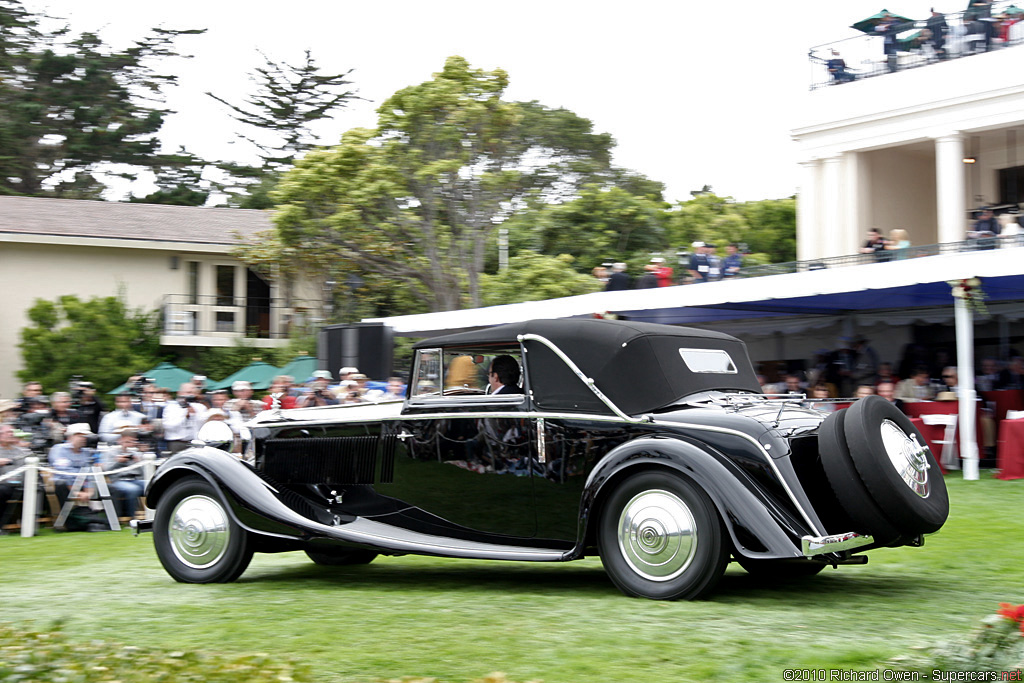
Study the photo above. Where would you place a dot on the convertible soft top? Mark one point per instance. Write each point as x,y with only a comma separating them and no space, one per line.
640,366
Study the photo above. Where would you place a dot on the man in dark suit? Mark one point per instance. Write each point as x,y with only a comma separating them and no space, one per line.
503,376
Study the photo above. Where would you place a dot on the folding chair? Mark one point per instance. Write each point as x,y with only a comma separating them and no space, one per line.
948,458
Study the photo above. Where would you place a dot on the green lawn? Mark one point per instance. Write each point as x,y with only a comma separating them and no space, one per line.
457,620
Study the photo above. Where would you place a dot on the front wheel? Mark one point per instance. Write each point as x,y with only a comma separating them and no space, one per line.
196,539
660,537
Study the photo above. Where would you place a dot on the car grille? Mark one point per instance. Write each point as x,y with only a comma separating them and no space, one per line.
330,460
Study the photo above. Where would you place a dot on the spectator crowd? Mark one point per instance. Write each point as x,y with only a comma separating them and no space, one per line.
703,264
73,431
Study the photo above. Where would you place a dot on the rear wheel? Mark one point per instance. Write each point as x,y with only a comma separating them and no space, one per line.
660,537
196,539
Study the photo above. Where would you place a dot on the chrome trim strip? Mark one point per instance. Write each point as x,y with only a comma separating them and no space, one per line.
542,455
820,545
579,373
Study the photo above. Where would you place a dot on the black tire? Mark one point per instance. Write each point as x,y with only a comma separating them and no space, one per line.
896,465
340,557
857,501
660,537
195,536
781,570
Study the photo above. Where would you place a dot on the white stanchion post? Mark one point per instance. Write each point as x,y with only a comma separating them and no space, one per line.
28,498
968,413
148,470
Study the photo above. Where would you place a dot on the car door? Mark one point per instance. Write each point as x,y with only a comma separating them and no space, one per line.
464,460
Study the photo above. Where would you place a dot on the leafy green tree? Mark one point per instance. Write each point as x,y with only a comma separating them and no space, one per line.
289,99
534,277
72,105
418,200
772,228
102,339
602,224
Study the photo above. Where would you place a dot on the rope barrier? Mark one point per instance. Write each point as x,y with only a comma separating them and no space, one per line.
13,473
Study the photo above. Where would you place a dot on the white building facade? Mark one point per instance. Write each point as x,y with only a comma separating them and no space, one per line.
916,149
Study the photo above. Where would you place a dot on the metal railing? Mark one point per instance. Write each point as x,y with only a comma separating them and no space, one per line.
185,315
916,43
894,255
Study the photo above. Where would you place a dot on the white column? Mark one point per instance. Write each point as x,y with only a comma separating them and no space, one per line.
808,218
966,421
949,188
832,242
852,204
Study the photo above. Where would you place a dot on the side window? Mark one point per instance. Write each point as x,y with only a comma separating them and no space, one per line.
464,371
427,374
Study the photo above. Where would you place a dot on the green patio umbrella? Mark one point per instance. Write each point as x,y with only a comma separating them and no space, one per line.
868,25
301,368
166,375
257,373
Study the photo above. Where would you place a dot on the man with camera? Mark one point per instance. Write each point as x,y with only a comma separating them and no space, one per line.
319,395
88,405
116,420
183,418
127,486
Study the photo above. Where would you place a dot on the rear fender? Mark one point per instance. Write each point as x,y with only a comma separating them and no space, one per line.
740,509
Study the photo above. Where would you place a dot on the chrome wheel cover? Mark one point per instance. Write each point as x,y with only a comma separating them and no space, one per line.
199,532
908,457
657,535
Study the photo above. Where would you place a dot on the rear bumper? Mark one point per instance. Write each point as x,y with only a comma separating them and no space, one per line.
821,545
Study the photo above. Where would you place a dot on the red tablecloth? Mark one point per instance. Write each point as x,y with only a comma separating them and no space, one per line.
1007,399
1010,459
918,408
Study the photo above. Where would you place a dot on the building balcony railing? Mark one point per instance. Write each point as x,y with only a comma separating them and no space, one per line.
893,255
250,317
916,43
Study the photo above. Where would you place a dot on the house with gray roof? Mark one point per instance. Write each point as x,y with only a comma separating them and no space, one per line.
177,259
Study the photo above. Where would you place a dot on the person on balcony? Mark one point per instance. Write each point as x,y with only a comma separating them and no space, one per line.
876,245
837,68
937,28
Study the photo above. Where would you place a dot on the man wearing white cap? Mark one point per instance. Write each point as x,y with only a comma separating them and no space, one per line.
318,393
242,402
700,264
69,458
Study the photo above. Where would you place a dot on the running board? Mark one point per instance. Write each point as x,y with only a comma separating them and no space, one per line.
820,545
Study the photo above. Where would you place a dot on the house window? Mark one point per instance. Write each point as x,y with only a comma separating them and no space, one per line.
225,321
193,282
225,285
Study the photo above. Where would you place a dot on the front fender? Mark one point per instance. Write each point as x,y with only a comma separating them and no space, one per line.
253,503
740,509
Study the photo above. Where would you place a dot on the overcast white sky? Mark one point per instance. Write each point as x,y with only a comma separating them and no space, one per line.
693,93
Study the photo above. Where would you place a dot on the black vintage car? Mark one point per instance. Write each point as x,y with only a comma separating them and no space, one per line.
649,445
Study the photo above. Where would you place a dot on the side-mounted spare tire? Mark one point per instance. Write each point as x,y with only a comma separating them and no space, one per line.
882,471
896,465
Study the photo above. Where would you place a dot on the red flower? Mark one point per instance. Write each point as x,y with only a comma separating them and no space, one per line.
1012,612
